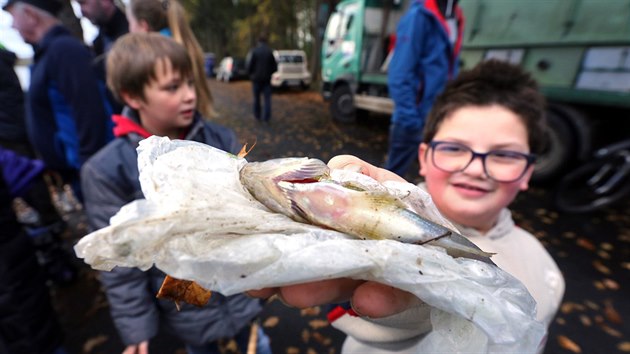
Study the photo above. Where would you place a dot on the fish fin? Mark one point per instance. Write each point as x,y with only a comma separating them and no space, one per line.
288,190
312,170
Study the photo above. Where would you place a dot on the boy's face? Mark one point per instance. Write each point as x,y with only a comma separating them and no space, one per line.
169,102
470,197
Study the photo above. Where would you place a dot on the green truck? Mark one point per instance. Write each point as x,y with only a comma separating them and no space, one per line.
578,51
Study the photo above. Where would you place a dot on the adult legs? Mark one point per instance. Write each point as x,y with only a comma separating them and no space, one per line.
266,89
403,148
257,87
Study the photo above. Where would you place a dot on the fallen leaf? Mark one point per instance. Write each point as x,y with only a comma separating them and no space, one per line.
599,285
586,243
306,335
611,313
611,284
624,346
601,267
586,321
271,322
568,344
293,350
93,342
611,331
310,311
568,307
591,305
317,324
569,234
603,254
606,246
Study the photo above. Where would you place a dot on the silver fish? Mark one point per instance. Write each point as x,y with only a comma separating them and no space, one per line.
301,188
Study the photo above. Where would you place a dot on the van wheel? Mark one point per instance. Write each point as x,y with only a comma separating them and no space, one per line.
342,105
559,152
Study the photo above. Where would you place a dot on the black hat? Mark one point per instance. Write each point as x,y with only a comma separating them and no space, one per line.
51,6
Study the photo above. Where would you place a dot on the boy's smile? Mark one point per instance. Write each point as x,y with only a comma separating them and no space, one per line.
470,197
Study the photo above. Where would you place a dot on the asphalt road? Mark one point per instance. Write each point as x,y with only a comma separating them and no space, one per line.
592,250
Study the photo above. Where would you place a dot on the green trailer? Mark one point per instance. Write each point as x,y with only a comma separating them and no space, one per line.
578,51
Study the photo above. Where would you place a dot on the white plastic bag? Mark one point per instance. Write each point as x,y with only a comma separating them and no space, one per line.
199,223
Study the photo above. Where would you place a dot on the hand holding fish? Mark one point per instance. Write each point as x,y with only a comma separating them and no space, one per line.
368,298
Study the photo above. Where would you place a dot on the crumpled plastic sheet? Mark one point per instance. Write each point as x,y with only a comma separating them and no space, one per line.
199,223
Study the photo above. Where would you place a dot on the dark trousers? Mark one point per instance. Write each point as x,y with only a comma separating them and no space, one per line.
403,148
263,87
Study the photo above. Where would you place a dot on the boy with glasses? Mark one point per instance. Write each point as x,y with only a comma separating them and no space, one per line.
477,154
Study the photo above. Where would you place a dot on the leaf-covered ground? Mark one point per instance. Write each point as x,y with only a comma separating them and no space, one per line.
592,250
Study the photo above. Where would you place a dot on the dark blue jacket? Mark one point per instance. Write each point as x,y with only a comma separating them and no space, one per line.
110,180
261,63
423,61
12,126
66,117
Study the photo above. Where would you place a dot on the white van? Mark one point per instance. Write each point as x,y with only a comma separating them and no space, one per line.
292,69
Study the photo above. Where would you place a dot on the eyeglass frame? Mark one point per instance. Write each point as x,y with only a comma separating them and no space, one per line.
529,158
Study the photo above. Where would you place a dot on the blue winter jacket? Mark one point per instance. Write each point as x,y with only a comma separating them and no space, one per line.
66,117
109,181
423,61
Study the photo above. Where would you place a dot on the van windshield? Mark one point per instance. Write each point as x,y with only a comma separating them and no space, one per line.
290,59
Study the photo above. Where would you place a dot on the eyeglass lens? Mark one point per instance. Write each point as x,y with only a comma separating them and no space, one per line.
500,165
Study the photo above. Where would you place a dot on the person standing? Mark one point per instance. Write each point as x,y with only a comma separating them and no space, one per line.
28,322
428,41
112,23
66,118
45,230
153,75
169,18
261,64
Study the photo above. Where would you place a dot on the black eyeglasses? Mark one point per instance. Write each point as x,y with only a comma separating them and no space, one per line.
499,165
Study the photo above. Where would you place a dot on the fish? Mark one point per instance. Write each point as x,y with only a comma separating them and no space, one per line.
303,190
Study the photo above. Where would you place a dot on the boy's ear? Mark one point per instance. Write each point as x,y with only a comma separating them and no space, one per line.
422,152
132,101
144,25
524,182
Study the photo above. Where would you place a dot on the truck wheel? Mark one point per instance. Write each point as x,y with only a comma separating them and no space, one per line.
342,105
560,150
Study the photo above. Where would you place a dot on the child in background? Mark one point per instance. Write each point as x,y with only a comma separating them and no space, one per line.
169,18
476,155
152,75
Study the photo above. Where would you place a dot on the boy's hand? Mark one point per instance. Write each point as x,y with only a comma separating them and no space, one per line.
353,163
141,348
368,298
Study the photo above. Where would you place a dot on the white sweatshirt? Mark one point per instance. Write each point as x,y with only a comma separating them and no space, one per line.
517,252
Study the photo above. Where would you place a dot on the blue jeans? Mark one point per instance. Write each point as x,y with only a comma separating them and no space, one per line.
264,88
263,345
403,148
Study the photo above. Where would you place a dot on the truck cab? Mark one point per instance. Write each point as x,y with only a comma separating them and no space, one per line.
355,50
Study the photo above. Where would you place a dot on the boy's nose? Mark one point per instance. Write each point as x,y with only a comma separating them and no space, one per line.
190,94
475,167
